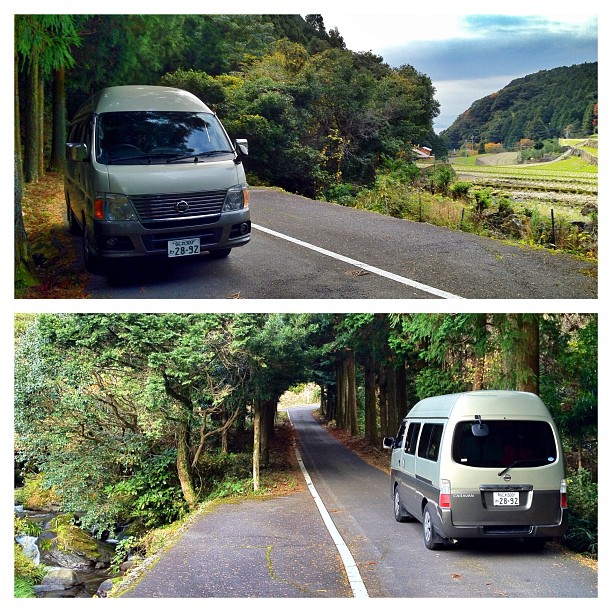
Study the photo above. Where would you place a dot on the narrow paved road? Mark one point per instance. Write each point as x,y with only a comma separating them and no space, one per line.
280,547
391,556
303,249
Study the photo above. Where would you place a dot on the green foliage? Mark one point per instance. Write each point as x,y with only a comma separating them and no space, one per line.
123,549
483,198
25,568
24,526
23,588
152,495
460,189
582,533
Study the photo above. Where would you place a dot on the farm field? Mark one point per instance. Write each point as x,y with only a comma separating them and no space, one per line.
568,185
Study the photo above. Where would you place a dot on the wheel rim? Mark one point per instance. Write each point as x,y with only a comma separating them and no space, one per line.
397,503
427,526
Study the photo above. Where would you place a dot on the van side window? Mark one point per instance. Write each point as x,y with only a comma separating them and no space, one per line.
429,444
400,436
411,438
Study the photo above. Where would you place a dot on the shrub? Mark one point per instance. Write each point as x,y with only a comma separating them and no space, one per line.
460,189
582,496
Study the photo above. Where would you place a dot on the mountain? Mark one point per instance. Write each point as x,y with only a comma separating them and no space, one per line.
561,102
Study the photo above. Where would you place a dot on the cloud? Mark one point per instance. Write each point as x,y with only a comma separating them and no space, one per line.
521,53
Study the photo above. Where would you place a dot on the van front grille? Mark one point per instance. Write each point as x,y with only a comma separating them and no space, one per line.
179,209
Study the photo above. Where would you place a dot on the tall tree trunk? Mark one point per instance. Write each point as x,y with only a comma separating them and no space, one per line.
384,403
256,442
392,412
183,467
24,266
31,143
371,432
401,394
522,359
41,124
351,385
58,142
531,328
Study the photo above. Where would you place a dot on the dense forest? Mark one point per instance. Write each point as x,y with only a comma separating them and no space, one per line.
319,110
137,418
558,103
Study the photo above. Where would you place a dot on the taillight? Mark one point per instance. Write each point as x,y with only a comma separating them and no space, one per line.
563,493
445,493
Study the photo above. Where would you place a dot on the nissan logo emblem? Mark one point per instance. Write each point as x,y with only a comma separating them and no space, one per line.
181,206
507,477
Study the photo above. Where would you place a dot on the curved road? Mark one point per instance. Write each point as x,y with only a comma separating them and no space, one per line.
280,547
302,249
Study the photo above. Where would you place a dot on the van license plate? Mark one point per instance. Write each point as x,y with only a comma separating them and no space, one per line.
180,248
505,498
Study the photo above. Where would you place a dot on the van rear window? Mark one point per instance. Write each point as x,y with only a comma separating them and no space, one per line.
507,443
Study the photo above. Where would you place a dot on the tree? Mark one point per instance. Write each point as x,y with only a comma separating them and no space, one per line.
123,385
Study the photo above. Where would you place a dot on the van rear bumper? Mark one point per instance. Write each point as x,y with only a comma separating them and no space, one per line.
447,529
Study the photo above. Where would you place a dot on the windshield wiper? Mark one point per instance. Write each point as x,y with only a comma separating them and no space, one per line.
146,156
196,155
541,460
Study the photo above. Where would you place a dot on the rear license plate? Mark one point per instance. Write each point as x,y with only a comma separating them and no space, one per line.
505,498
181,248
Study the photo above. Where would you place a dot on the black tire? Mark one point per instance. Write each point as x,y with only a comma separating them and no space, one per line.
73,227
431,539
220,253
92,263
398,510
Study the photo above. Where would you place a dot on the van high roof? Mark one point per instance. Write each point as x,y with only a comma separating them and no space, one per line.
489,403
143,98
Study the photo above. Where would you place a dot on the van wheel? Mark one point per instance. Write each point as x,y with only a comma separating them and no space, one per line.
219,253
398,512
432,540
92,263
73,227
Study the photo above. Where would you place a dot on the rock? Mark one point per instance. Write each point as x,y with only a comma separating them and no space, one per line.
60,578
30,548
105,588
74,548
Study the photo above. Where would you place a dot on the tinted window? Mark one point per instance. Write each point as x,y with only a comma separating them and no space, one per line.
400,436
160,135
524,443
411,438
429,444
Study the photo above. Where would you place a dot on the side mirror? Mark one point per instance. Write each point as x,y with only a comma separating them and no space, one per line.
77,151
242,146
388,443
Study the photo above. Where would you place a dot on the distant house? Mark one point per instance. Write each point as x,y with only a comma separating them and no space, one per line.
423,153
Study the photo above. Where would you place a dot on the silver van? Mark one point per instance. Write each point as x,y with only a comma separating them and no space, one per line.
480,464
150,171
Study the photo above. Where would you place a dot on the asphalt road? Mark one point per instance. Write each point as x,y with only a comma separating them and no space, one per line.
305,249
391,556
280,547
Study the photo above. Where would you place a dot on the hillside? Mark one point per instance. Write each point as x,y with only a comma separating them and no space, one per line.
561,102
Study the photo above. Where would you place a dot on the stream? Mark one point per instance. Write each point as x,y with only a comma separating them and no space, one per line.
90,575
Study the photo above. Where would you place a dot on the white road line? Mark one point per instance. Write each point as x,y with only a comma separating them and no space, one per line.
359,264
352,571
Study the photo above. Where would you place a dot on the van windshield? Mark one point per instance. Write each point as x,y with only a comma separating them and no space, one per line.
508,443
136,137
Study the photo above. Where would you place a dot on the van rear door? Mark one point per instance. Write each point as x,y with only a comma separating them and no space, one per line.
508,479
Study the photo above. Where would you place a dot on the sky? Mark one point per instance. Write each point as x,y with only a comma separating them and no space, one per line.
469,56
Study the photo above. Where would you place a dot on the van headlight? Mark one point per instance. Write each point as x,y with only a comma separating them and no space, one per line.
237,198
113,207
